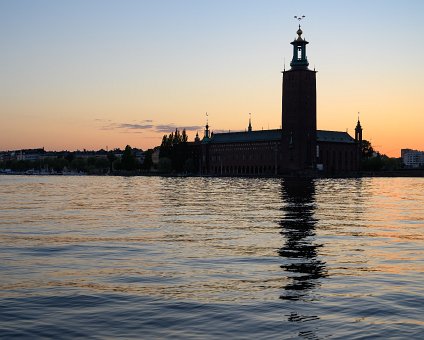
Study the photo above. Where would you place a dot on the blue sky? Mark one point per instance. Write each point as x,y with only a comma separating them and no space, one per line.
68,65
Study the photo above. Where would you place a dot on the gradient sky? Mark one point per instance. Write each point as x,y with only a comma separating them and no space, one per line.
98,73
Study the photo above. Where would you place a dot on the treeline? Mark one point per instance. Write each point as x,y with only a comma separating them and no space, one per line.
89,165
375,161
58,164
128,161
174,155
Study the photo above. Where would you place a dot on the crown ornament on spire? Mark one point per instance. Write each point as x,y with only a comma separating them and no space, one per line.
299,31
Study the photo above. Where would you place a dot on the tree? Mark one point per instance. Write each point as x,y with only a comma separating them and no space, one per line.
177,138
148,162
128,160
390,163
57,164
100,165
184,137
165,164
79,164
174,147
111,158
367,150
70,157
372,163
375,161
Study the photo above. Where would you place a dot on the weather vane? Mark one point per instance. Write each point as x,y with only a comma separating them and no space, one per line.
299,18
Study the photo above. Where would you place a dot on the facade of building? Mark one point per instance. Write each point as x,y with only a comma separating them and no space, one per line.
412,158
296,149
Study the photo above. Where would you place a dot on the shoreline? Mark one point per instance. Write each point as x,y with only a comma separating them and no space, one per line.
416,173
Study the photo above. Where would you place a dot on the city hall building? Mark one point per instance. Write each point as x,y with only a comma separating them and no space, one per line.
296,149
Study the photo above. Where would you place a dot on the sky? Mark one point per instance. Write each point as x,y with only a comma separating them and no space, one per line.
92,74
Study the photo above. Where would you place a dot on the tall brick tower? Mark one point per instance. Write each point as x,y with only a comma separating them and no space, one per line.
299,119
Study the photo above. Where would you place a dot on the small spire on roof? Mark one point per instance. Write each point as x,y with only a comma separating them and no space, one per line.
206,135
358,125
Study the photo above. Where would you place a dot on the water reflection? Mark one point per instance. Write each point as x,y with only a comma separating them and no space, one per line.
300,251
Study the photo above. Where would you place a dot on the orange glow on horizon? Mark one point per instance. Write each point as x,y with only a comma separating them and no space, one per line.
61,87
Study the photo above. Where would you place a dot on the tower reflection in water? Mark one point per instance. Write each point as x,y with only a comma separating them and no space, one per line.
300,251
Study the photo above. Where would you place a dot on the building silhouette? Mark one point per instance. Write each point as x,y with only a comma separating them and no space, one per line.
296,149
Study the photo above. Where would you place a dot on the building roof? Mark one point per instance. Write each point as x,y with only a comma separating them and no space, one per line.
334,136
274,135
245,137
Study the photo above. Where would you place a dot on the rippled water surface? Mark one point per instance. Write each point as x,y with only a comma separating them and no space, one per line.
151,257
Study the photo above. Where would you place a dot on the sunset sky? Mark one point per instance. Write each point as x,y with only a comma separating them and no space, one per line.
98,73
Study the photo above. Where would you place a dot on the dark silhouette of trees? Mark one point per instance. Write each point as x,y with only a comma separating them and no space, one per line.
374,161
90,162
111,158
367,150
79,164
148,163
174,147
128,160
57,164
70,157
184,137
165,164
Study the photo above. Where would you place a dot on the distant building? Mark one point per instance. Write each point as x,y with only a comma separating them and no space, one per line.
139,155
29,154
155,156
4,156
412,158
90,154
296,149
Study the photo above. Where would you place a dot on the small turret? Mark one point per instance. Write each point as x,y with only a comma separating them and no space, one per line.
206,135
197,139
358,140
299,61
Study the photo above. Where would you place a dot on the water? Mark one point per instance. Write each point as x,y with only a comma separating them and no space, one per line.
151,257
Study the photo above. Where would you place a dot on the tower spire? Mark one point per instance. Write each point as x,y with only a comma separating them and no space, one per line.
358,131
299,132
358,125
206,135
358,140
249,128
299,61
